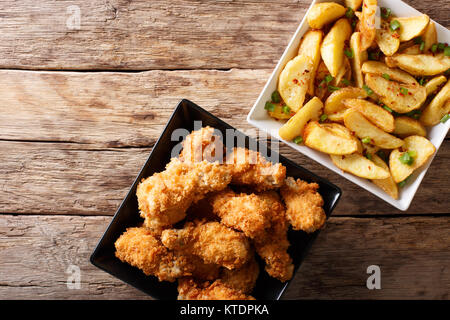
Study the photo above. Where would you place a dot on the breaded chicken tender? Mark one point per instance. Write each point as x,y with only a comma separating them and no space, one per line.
188,289
248,213
242,279
202,144
272,248
164,197
141,249
304,205
251,168
211,241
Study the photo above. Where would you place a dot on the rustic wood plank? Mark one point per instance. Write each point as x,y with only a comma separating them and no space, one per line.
112,109
145,35
77,179
35,252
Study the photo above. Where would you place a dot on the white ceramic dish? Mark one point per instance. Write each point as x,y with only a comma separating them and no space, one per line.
259,118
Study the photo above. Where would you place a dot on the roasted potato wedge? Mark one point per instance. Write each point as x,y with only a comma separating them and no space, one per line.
380,69
388,41
367,23
359,166
401,98
279,114
342,131
325,140
343,73
294,127
310,46
411,27
353,4
369,148
363,129
360,56
432,85
294,81
423,149
429,36
324,13
332,50
421,64
388,185
334,104
437,108
320,88
414,49
376,114
405,127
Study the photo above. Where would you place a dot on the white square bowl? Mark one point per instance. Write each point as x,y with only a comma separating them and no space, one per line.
259,117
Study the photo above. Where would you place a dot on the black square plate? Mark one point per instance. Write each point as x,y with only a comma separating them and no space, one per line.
128,215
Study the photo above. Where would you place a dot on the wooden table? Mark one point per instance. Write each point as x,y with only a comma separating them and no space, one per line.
82,106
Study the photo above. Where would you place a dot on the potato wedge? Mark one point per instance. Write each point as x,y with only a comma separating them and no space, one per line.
367,23
377,115
360,166
437,108
294,81
324,13
379,68
353,4
310,47
388,41
432,85
320,89
405,127
334,104
423,148
393,94
322,139
294,127
342,131
421,64
411,27
414,49
360,56
363,128
332,50
429,36
342,74
278,113
388,185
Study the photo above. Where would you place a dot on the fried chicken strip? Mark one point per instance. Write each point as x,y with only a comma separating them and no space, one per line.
188,289
242,279
211,241
141,249
251,168
304,205
202,144
272,248
248,213
164,197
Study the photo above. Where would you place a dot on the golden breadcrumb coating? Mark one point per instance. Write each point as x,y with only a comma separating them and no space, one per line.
242,279
248,213
188,289
141,249
272,248
251,168
211,241
202,144
164,197
304,205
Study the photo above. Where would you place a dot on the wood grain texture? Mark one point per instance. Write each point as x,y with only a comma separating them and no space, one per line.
35,252
157,34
